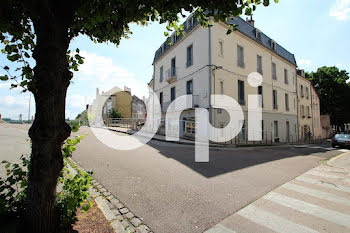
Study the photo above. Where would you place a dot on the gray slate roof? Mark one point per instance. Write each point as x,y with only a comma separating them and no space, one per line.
246,29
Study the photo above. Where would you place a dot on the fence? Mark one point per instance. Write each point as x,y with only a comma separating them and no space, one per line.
188,129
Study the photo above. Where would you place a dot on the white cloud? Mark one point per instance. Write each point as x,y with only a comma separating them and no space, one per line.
13,105
5,85
304,62
340,10
101,72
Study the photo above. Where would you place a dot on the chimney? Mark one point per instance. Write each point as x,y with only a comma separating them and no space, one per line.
127,89
97,92
250,20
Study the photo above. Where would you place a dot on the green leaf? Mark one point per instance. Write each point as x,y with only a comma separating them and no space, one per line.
4,78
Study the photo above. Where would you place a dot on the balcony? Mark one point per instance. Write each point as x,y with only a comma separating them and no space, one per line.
171,75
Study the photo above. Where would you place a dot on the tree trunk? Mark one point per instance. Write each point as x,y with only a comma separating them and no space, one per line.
49,129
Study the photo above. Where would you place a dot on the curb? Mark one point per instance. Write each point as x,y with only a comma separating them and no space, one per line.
121,218
336,157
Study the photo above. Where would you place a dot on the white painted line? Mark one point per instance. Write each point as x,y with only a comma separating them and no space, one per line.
314,210
325,184
325,169
272,221
343,150
316,193
321,174
219,229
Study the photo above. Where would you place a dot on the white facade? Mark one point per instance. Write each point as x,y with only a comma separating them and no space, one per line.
215,70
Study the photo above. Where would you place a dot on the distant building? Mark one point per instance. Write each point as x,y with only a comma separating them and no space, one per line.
138,108
326,126
316,115
304,104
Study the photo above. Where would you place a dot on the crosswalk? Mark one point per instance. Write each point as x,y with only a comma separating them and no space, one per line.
316,201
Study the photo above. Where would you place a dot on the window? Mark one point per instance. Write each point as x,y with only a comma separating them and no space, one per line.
273,44
307,92
285,76
221,87
275,128
161,100
161,74
174,38
273,68
219,110
302,111
241,92
259,64
240,56
286,96
189,61
221,48
302,91
258,34
190,22
260,92
274,97
172,94
308,111
173,68
189,87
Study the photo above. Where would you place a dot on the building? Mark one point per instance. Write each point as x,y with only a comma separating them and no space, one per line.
304,104
316,115
207,61
119,101
327,130
138,108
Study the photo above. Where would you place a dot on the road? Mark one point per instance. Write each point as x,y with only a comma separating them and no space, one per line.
161,183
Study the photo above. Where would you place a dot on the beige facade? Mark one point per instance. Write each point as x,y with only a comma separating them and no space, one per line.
304,103
316,116
217,67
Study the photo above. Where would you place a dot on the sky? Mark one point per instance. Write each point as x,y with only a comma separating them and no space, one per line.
317,32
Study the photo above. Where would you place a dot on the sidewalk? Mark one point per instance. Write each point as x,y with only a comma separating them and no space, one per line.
316,201
162,137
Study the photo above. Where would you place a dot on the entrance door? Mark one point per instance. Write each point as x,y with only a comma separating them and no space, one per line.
287,132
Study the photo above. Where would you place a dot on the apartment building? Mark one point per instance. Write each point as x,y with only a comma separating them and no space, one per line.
316,115
207,61
305,105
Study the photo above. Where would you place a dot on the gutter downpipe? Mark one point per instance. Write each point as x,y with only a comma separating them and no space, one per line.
209,65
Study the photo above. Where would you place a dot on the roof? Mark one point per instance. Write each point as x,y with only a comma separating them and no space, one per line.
243,27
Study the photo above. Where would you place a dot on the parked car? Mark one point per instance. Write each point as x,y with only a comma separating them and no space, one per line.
341,140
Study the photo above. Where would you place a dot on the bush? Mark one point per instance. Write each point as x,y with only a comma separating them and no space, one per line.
74,189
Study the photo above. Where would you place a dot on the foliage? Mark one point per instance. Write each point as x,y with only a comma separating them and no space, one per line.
43,30
74,187
334,92
113,113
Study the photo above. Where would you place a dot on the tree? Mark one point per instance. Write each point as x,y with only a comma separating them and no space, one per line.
42,30
334,92
114,114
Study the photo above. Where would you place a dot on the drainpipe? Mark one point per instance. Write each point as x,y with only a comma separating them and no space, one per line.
209,65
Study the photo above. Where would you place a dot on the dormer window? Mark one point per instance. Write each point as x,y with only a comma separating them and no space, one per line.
190,22
258,34
273,44
174,38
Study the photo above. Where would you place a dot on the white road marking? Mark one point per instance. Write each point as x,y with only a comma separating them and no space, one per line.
325,169
272,221
325,184
318,194
218,228
314,210
321,174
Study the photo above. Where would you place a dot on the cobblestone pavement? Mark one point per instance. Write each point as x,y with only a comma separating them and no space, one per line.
316,201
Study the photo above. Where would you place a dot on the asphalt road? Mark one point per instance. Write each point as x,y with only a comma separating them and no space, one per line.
161,183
